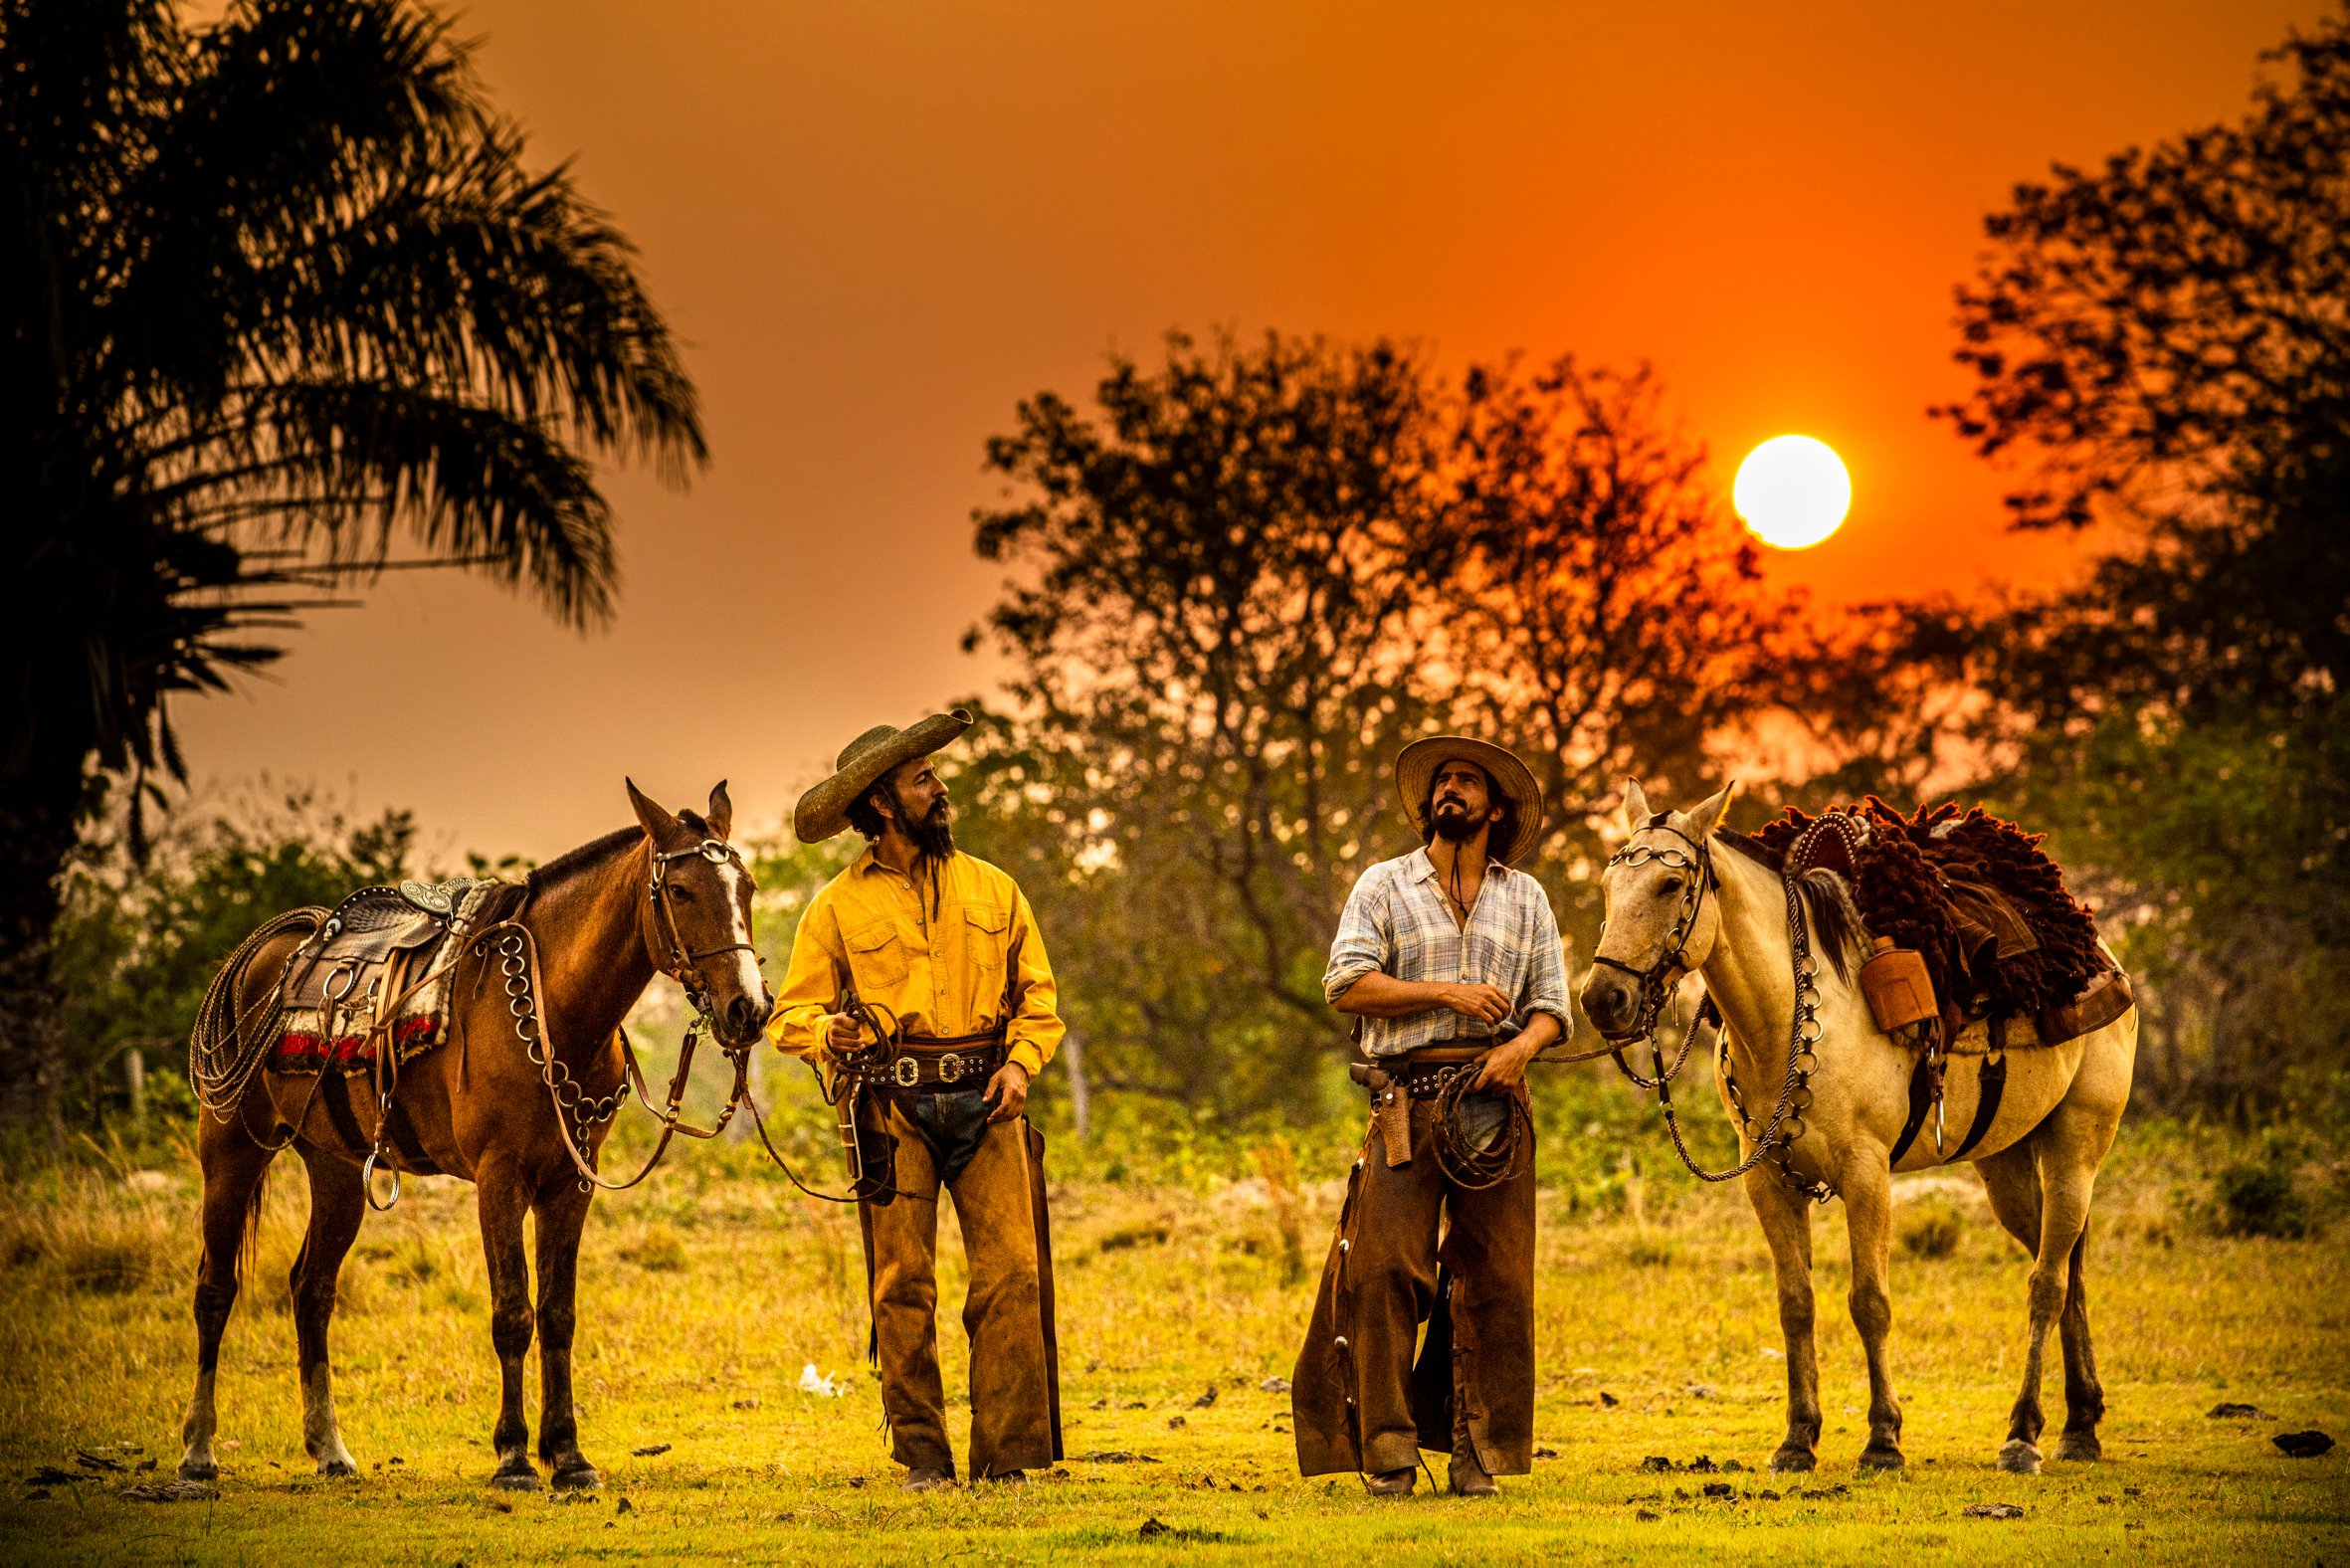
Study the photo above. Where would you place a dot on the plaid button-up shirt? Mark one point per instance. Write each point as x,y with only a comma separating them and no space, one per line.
1397,920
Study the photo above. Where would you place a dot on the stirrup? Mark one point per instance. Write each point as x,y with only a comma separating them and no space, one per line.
367,1183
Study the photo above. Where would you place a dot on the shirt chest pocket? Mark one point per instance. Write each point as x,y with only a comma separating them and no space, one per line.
987,934
878,958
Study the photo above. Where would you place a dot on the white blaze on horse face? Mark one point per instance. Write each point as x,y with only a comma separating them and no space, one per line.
737,882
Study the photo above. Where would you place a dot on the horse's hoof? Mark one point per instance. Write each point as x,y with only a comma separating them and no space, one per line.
524,1479
1790,1462
582,1477
338,1467
1876,1458
2080,1447
198,1470
2019,1458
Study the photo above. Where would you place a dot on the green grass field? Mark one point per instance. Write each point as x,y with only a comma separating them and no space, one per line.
706,1293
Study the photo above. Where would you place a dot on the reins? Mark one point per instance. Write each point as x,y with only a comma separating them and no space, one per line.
1785,1123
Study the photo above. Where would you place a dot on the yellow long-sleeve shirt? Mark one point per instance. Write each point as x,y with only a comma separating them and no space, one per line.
941,972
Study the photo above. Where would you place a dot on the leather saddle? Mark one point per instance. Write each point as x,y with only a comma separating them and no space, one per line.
1987,929
375,939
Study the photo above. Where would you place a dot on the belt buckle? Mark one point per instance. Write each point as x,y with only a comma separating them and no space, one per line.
907,1072
950,1068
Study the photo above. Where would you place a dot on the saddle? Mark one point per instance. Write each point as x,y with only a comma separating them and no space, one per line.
1975,909
377,970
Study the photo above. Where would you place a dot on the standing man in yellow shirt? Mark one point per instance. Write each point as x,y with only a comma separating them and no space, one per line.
918,976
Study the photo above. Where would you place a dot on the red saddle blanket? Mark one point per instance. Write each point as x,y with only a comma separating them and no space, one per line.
306,1050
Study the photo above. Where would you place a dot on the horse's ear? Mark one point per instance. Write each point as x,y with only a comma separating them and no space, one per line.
721,812
657,823
1636,806
1706,815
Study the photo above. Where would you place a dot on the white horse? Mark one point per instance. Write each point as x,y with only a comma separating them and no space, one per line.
1680,900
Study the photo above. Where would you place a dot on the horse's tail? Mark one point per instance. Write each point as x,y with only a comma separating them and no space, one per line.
248,1241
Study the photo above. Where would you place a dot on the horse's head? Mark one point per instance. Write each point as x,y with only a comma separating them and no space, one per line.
1660,924
696,915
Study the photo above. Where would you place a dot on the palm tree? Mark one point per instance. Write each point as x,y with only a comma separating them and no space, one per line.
279,290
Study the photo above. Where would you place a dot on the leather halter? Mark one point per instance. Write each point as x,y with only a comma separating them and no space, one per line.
1655,982
684,964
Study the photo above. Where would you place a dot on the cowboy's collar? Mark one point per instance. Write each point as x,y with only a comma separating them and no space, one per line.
1422,865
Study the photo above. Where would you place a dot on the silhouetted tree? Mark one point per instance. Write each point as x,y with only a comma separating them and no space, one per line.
1254,575
277,289
1215,638
1614,617
2163,344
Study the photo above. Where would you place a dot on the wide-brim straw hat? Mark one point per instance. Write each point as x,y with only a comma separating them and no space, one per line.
1511,779
824,809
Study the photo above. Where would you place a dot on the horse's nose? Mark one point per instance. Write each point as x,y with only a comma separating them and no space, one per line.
746,1015
1607,1000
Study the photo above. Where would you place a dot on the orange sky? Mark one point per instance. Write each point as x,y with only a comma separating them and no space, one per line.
876,226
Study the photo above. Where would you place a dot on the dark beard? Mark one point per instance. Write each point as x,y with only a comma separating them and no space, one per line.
934,835
1455,828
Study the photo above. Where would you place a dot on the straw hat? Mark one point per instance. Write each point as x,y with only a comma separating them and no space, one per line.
1512,780
824,809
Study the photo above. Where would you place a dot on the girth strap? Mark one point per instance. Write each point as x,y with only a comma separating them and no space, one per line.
334,1090
1987,1091
1921,1100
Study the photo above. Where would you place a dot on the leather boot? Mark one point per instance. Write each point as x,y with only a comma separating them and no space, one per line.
929,1479
1394,1483
1466,1477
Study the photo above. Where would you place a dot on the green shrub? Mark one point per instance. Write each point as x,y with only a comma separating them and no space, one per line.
2260,1200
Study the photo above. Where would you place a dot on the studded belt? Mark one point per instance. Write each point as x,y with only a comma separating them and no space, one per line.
938,1067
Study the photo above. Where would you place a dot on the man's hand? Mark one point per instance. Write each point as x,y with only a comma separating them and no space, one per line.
842,1033
1486,1004
1007,1091
1504,1067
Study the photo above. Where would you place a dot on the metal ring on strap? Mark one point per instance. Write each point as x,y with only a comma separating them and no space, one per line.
908,1072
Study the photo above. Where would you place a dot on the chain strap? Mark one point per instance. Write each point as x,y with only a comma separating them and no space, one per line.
1779,1135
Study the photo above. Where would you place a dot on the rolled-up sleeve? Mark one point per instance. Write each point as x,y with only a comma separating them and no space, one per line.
1366,936
1034,1030
1547,975
811,982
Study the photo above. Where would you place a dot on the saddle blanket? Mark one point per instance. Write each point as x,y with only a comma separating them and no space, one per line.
382,942
1979,900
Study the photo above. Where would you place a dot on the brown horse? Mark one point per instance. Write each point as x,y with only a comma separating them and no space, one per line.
664,897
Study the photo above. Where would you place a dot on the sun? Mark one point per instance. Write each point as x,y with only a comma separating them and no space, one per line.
1793,492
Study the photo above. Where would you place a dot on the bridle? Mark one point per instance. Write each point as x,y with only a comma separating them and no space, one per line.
1656,981
684,964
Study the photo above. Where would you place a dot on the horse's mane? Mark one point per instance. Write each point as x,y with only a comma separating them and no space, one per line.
1837,931
596,852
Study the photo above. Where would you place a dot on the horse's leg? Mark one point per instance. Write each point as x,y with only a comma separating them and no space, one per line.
1868,1188
338,1202
502,1201
235,1169
1787,1228
2063,1217
562,1214
2084,1395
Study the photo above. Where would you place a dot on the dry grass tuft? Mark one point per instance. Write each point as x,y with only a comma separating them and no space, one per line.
1931,1228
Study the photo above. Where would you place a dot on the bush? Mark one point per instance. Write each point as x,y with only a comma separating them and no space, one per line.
1931,1228
2260,1200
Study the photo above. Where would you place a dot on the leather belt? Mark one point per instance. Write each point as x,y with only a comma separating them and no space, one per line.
1423,1073
938,1067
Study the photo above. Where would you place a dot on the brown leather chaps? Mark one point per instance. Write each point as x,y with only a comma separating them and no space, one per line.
1359,1401
999,1200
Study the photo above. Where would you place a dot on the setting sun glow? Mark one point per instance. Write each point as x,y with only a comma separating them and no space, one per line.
1792,491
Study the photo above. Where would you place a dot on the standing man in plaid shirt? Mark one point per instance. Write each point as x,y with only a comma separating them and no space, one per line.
1452,962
